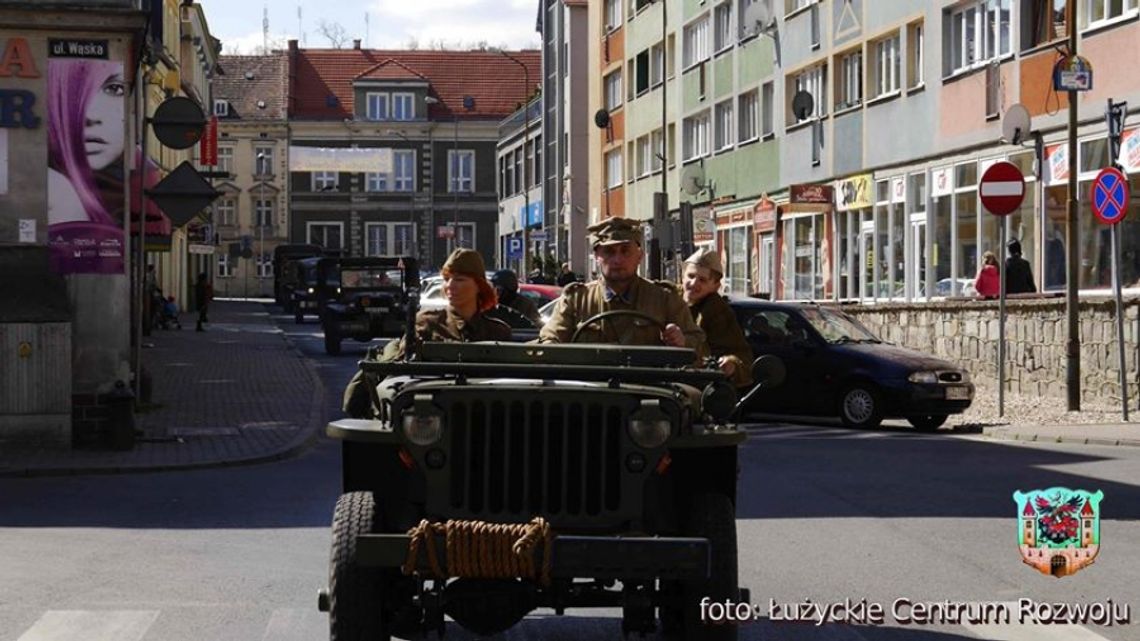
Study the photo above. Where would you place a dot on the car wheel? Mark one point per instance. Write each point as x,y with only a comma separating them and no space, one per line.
860,406
332,343
711,516
927,423
356,611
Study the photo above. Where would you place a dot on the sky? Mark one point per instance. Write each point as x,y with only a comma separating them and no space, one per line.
391,24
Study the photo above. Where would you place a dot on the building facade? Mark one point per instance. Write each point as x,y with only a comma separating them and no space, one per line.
393,152
520,186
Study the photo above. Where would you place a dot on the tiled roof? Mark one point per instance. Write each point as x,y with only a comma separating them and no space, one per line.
249,82
391,70
323,80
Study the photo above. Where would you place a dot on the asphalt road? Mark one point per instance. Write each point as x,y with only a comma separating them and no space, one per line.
825,514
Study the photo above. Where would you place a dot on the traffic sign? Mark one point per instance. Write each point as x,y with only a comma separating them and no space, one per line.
1002,188
1110,196
514,248
538,235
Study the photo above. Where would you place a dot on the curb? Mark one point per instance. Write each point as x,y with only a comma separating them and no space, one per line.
1033,437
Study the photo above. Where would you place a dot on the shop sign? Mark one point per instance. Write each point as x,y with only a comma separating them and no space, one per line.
811,194
704,225
16,105
1072,73
940,182
1057,159
898,189
1130,150
764,215
853,193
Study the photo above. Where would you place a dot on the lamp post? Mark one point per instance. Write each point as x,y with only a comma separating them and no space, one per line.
526,161
260,227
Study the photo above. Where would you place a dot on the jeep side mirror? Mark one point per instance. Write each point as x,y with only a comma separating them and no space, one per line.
768,372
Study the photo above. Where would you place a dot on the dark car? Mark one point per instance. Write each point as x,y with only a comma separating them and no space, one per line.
370,301
309,290
837,367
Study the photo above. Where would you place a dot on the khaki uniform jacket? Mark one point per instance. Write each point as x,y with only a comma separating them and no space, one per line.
525,306
660,300
715,318
431,325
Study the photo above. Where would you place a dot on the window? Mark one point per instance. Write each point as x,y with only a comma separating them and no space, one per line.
613,14
644,153
389,239
225,212
465,235
225,267
767,108
812,81
749,115
375,181
979,32
1100,12
695,136
1042,21
722,26
613,169
915,45
791,6
404,165
461,170
376,106
226,159
263,213
656,151
221,108
641,72
886,69
656,64
815,28
327,235
849,91
324,180
263,161
265,265
724,136
747,30
695,45
403,106
612,85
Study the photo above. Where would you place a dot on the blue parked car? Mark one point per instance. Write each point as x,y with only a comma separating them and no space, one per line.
837,367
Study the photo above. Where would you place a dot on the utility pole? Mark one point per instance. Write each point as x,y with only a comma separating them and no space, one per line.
1072,312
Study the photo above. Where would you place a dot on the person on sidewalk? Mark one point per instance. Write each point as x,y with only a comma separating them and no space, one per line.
203,294
987,283
1018,275
701,283
469,297
566,276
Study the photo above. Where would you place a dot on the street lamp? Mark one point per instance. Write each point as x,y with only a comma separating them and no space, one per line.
260,228
526,161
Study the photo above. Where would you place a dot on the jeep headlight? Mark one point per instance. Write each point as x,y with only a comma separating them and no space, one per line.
928,378
649,427
423,430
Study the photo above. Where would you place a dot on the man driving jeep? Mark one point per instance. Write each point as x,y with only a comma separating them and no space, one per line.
618,253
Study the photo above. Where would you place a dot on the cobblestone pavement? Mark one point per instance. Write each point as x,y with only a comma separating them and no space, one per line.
236,393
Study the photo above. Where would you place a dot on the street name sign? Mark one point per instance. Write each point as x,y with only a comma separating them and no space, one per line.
1110,196
1002,188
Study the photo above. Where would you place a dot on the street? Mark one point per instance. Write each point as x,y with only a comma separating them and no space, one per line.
825,514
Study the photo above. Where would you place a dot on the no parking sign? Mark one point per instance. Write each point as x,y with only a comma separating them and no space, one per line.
1109,196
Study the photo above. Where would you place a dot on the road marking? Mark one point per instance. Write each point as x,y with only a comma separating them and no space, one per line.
91,625
293,624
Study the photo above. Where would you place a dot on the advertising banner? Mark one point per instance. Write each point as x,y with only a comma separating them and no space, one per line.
704,224
853,193
86,139
940,182
347,159
1057,163
208,146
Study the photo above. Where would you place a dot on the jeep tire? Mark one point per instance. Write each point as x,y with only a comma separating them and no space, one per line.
711,516
356,608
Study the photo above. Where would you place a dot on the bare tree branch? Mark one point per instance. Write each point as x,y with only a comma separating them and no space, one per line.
335,32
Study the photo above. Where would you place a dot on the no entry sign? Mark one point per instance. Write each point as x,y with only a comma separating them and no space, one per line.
1002,188
1110,196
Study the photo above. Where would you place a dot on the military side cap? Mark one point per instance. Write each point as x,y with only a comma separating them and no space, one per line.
612,231
707,258
467,262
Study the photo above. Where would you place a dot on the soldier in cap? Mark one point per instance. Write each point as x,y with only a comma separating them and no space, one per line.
507,287
618,253
469,297
701,283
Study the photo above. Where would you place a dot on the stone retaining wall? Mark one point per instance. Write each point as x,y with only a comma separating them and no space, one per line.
966,332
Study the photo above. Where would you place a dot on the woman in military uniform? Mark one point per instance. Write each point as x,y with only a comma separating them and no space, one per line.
701,282
469,297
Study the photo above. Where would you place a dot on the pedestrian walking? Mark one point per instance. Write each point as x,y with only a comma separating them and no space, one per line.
988,283
701,291
203,294
566,276
1018,274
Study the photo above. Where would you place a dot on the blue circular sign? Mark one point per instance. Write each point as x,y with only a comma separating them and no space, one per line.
1109,196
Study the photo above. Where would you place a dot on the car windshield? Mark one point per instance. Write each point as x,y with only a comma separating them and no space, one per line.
837,327
370,278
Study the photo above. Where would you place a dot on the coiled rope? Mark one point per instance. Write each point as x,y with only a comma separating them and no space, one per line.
481,550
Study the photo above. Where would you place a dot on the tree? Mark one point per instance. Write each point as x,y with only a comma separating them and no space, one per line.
335,32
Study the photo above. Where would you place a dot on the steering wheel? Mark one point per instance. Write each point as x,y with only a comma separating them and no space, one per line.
596,318
511,316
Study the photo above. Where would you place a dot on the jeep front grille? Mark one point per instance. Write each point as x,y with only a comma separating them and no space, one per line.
525,458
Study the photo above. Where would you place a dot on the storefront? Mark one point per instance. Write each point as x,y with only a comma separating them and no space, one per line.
857,256
734,242
764,242
804,231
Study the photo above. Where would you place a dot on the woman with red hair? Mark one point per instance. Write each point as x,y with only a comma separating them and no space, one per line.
469,297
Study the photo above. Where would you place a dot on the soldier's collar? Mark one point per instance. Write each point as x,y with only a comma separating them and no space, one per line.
610,294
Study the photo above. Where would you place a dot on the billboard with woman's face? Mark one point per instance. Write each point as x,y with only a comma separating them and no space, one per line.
86,139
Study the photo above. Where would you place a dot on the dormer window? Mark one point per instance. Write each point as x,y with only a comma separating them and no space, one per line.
377,106
403,106
221,108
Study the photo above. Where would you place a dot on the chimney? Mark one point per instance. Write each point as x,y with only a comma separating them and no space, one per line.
293,45
356,43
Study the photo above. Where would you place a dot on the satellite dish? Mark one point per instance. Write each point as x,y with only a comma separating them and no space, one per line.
758,18
1015,124
802,105
601,119
693,180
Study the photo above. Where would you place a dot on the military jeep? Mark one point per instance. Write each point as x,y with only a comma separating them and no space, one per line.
370,301
499,478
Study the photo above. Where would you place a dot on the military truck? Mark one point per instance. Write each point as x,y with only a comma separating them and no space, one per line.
317,281
501,477
284,279
370,301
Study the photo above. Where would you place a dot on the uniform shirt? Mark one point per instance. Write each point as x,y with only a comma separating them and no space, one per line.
714,316
659,300
525,306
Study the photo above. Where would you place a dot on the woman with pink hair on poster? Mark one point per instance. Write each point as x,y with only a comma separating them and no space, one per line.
86,140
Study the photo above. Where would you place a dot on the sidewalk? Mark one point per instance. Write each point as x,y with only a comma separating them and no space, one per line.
237,393
1086,434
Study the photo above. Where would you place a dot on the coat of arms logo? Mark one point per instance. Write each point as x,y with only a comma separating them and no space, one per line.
1058,529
